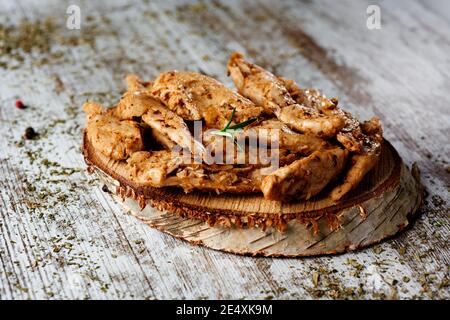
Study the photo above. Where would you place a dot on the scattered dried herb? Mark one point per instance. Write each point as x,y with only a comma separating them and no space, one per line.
44,37
315,278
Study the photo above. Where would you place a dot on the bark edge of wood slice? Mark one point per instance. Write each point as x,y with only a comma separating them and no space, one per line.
382,205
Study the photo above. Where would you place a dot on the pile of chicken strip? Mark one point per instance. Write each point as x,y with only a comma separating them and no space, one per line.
318,145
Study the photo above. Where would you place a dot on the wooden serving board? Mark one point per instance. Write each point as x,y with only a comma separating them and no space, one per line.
381,206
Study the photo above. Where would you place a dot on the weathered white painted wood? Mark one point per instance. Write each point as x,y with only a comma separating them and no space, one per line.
68,239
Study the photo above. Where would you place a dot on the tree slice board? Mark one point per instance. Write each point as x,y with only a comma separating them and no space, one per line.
382,205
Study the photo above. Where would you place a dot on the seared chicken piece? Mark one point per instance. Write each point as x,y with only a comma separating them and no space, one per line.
268,91
255,150
219,181
350,135
163,140
163,169
271,135
152,167
291,140
112,137
364,139
135,103
362,163
135,84
306,177
303,119
194,96
173,127
169,128
261,144
92,110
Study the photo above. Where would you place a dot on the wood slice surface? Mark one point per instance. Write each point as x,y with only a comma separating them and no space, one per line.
382,205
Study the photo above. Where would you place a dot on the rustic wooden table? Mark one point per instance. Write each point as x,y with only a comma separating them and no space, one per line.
62,237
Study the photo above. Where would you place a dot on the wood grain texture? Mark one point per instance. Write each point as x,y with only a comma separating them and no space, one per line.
62,237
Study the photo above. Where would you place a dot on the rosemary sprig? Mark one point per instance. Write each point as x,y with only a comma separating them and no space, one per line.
235,127
229,121
230,131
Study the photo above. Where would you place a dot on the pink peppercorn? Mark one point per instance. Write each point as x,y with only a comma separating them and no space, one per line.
20,105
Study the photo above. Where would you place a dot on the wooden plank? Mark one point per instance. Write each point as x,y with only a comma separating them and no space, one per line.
77,243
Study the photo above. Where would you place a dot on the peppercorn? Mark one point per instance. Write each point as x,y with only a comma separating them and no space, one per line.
20,105
29,133
105,188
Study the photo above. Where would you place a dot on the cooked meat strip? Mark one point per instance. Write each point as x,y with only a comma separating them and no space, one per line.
269,135
306,177
362,163
268,91
253,154
135,103
163,139
112,137
303,119
220,182
351,139
135,84
364,139
92,110
373,129
350,135
152,167
169,128
162,169
168,123
194,96
291,140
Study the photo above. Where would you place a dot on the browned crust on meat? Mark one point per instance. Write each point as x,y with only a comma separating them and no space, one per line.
168,199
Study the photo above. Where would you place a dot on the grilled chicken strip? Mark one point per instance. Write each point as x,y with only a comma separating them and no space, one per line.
291,140
112,137
220,182
364,139
268,91
169,128
362,163
172,126
350,135
136,103
306,177
162,169
135,84
194,96
152,167
265,142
